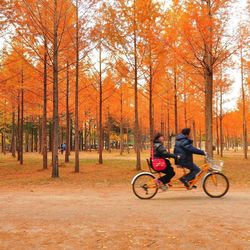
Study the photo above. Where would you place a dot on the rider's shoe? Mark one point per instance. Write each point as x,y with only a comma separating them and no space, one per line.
164,187
161,185
191,187
186,184
158,182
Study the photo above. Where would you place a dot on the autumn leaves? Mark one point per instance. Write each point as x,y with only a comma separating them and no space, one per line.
96,69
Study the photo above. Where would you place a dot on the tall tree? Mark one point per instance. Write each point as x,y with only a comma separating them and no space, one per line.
77,167
136,126
202,28
243,94
244,53
44,125
67,152
100,105
55,169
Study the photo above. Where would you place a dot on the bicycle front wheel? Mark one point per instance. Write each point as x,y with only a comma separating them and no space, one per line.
144,186
215,185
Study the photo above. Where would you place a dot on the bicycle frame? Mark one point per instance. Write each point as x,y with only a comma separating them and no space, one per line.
176,183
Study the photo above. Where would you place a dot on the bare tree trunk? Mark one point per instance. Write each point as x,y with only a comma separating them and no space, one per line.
136,126
21,122
244,123
85,135
209,113
208,75
3,143
86,138
55,170
50,136
168,127
90,149
35,140
108,146
40,136
67,152
44,125
221,125
127,139
13,134
100,107
18,126
108,132
62,137
175,102
81,140
194,134
27,141
217,128
121,136
121,122
32,140
162,125
185,104
4,129
77,168
71,134
151,118
162,120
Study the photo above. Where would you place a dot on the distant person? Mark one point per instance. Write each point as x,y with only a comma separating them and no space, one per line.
161,152
63,148
184,147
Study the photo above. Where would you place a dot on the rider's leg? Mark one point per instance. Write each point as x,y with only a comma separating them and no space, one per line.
169,174
194,170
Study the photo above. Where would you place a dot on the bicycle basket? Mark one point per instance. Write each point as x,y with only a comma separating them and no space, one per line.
215,165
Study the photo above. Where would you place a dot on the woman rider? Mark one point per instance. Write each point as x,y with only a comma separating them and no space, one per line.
161,152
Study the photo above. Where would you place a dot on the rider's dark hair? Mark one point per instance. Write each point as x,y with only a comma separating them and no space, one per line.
157,136
186,131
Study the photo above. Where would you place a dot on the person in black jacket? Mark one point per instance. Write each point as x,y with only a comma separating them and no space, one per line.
184,147
161,152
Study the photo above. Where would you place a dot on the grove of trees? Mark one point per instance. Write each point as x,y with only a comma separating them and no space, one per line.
99,75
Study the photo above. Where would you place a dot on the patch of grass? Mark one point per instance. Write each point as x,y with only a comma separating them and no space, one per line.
115,170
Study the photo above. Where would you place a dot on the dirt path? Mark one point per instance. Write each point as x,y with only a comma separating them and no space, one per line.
114,219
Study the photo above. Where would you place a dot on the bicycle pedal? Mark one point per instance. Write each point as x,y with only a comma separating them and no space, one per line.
164,189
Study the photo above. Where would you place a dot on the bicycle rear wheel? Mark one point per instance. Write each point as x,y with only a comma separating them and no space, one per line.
144,186
215,185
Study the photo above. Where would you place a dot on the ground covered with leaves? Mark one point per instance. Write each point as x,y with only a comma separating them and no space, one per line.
96,209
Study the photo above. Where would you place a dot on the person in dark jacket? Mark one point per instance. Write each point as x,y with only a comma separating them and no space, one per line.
184,147
161,152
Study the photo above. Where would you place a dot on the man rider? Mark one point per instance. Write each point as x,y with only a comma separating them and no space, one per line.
184,147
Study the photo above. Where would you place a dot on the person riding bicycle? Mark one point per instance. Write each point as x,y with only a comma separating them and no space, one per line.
161,152
184,147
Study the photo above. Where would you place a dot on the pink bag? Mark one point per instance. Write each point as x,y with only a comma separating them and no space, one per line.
158,164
